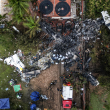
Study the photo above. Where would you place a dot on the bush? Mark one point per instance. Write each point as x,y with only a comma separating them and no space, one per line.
73,108
94,8
104,80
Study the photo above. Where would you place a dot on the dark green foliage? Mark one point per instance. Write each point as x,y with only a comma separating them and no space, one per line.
107,106
104,81
7,44
94,7
102,50
19,9
104,55
33,25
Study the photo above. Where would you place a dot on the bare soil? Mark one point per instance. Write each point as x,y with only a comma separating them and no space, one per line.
42,83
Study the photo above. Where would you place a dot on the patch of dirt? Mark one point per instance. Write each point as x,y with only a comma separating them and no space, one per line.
100,90
45,78
42,83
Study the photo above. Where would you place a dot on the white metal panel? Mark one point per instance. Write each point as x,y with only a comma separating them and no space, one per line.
74,57
106,17
15,61
67,92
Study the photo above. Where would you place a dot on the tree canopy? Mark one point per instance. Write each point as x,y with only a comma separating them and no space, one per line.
32,24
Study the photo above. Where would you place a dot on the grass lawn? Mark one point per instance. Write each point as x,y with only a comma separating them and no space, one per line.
97,102
7,44
93,56
6,73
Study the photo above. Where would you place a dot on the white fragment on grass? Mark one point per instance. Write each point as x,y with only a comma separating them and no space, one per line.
7,76
15,28
82,89
8,53
1,59
14,52
20,106
14,71
6,89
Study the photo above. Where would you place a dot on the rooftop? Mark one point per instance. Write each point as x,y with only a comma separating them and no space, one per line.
55,8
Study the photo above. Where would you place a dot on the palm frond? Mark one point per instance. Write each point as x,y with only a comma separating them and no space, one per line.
20,11
38,29
37,21
32,20
27,32
31,34
19,6
34,32
32,24
32,27
17,18
25,5
27,19
27,25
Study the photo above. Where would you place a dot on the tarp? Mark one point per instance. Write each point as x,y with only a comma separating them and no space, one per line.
35,96
4,103
17,87
33,107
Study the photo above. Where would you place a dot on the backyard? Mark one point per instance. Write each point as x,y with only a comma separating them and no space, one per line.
7,48
28,41
40,84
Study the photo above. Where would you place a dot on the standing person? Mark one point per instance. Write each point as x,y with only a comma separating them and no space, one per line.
59,89
74,104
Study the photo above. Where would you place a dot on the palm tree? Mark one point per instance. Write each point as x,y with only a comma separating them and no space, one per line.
18,19
20,7
33,25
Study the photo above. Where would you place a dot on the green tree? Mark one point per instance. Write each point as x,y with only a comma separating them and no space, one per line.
18,19
94,7
19,8
33,25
